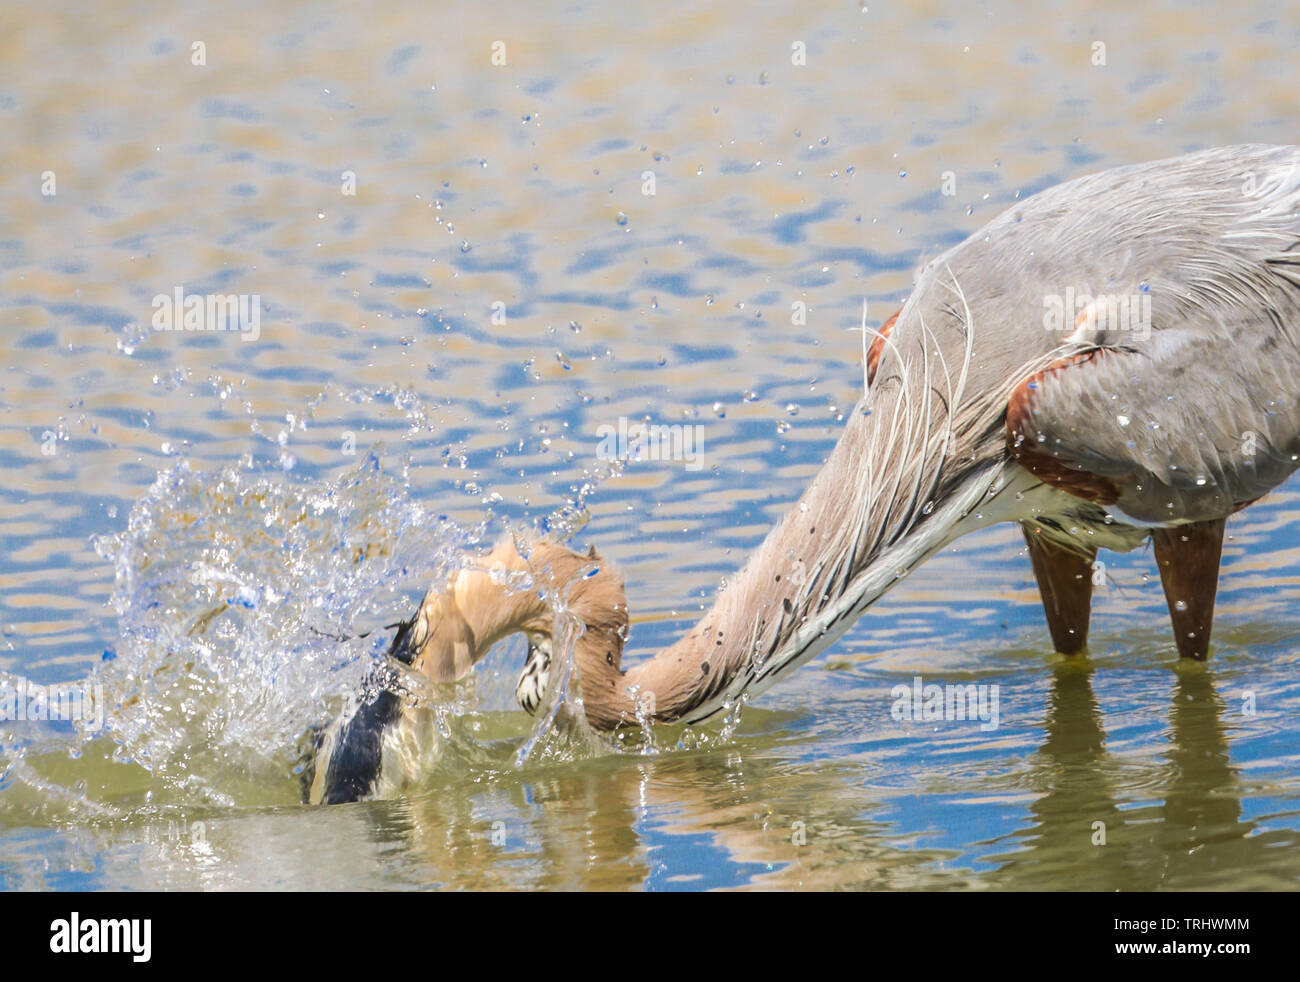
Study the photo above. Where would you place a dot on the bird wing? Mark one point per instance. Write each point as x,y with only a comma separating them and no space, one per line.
1176,395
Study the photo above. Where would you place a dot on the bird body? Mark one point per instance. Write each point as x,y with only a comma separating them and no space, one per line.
1113,359
987,404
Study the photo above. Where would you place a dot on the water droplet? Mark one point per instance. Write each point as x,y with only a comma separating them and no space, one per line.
621,218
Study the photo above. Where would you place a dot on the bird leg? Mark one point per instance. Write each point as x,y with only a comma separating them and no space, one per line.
1188,557
1065,582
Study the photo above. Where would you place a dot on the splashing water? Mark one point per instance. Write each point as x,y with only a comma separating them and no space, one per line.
248,609
251,607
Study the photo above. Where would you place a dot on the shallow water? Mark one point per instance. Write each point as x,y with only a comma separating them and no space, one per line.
189,520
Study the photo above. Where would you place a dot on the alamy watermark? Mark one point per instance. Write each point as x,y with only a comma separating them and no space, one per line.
105,935
180,311
921,703
652,441
1091,313
73,702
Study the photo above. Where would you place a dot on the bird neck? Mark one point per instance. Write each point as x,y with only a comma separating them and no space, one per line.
828,559
758,612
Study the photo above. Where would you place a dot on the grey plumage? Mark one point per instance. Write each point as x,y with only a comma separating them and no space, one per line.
1167,410
1199,413
1167,398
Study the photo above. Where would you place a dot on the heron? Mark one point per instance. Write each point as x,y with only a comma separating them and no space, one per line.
1111,360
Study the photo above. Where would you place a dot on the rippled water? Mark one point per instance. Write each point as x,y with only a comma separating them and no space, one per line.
195,522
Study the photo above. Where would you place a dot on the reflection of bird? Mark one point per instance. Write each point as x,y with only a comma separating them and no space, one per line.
1111,359
1168,821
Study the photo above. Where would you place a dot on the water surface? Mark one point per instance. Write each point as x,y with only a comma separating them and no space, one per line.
313,481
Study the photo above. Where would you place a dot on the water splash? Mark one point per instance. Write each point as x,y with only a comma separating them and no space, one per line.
253,604
250,606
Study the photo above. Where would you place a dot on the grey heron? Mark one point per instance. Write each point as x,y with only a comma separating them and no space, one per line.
1113,359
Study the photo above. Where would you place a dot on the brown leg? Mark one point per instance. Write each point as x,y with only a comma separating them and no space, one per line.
1188,557
1065,583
